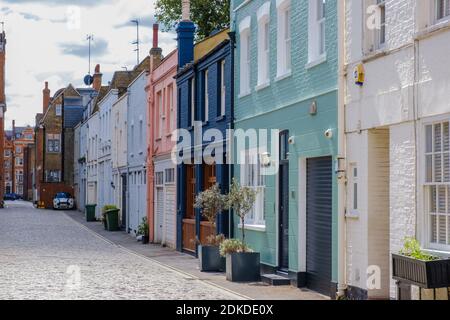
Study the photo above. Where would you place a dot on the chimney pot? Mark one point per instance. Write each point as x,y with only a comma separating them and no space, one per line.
97,84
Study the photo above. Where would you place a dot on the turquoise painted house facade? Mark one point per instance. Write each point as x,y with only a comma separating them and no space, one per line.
286,73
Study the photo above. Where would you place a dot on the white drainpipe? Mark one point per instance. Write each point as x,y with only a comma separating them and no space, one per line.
342,243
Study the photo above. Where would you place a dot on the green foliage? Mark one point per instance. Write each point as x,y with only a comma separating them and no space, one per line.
211,201
208,15
233,246
106,208
412,249
241,200
143,228
215,241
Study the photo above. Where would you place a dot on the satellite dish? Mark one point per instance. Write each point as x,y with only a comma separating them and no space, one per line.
88,80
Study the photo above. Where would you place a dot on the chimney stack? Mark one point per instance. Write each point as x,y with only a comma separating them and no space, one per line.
14,129
155,51
46,98
155,35
97,84
185,31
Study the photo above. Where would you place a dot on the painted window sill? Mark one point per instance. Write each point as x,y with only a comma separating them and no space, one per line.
220,118
244,94
253,227
442,24
352,216
262,86
316,62
283,76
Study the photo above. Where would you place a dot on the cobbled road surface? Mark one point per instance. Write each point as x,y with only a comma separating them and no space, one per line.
45,254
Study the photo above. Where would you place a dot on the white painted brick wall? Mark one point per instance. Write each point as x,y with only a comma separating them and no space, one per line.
402,187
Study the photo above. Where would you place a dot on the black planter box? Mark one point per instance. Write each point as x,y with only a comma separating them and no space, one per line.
210,260
424,274
243,267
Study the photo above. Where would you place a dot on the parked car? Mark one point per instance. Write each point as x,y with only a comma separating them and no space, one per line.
63,200
11,197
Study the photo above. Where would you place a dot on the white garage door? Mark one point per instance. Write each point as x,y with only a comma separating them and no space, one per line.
159,214
170,224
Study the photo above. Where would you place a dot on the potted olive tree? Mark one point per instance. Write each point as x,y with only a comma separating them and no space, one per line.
143,230
413,266
211,202
242,264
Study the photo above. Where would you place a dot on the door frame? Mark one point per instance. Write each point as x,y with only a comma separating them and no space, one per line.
282,161
162,189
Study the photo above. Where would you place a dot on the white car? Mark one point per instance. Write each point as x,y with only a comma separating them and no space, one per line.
63,200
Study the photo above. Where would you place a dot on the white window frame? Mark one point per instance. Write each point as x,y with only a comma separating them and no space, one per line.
251,161
53,137
58,110
284,39
380,34
223,89
354,195
159,178
446,13
245,49
263,17
316,34
169,178
440,183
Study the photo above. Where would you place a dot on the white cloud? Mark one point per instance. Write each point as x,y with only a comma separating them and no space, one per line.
42,46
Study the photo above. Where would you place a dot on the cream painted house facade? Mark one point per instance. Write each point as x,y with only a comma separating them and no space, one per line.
397,137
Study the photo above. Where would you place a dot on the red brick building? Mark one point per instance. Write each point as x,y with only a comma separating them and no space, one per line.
2,112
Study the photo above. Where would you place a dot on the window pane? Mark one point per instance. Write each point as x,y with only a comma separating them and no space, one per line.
355,196
445,134
442,199
433,229
437,138
446,167
432,199
438,168
442,220
429,138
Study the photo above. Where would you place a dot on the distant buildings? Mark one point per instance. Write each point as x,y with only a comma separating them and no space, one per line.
2,111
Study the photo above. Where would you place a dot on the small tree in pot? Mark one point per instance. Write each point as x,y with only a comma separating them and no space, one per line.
143,230
242,264
211,202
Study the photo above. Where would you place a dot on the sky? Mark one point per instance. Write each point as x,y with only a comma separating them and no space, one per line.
46,41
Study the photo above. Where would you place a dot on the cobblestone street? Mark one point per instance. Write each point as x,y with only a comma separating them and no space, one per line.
46,255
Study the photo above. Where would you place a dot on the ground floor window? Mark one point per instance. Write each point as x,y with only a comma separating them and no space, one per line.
252,175
437,184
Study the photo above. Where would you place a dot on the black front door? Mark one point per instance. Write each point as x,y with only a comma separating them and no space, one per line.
283,203
124,201
319,224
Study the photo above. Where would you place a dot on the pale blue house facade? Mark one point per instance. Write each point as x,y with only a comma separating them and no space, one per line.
286,63
137,151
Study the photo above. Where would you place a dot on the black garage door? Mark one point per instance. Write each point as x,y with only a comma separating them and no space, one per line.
318,224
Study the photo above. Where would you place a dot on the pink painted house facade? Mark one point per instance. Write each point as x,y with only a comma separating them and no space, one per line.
161,173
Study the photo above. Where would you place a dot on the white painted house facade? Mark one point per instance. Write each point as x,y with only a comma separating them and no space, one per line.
136,133
119,154
397,136
105,177
92,133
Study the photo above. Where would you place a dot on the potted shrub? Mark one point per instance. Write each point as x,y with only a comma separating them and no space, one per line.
413,266
211,202
143,230
110,217
242,264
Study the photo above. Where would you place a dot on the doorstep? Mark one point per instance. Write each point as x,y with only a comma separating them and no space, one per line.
188,264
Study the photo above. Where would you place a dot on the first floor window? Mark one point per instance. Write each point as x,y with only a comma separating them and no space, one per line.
53,176
170,175
437,184
443,9
19,161
252,175
53,143
381,34
159,178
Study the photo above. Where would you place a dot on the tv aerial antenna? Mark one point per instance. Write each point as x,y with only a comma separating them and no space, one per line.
137,42
88,79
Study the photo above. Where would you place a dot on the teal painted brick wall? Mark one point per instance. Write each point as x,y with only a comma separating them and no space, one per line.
285,105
